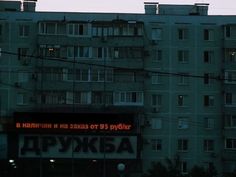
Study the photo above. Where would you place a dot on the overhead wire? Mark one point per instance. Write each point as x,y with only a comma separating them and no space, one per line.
60,59
192,123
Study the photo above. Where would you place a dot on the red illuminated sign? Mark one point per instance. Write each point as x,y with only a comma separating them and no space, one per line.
74,126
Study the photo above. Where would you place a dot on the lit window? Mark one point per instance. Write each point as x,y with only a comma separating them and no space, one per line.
181,100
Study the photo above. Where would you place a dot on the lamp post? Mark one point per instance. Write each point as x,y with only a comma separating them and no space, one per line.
121,169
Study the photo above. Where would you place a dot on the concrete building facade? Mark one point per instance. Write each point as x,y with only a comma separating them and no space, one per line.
173,69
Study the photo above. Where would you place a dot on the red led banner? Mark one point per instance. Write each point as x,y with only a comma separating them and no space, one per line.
74,122
73,126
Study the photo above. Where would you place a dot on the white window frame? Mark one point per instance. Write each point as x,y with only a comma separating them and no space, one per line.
183,56
230,77
183,78
183,145
123,98
156,144
73,29
208,145
230,121
232,142
209,123
182,33
21,99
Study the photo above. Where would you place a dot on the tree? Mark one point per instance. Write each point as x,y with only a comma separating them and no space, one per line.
157,170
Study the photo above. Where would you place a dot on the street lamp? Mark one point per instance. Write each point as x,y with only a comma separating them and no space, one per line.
121,169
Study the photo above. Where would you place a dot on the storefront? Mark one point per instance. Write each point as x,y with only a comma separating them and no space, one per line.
66,144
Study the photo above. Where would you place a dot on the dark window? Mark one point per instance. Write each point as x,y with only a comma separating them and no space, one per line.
227,31
206,34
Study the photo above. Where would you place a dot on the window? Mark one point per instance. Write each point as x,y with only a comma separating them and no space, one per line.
156,34
77,29
182,144
24,30
47,28
156,144
98,75
208,34
183,56
183,123
230,121
78,52
208,100
22,53
53,97
230,99
21,99
182,34
129,98
181,99
208,78
156,100
53,74
156,123
183,167
158,55
227,31
82,97
208,56
99,98
230,143
230,77
208,145
101,52
209,123
183,78
50,51
156,78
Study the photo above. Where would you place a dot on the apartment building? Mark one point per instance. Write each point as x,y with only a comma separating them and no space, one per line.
93,90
